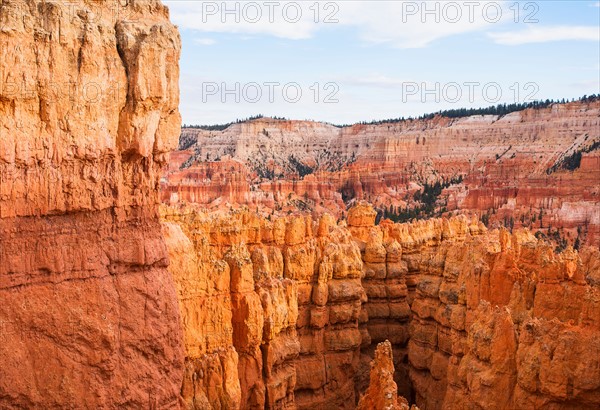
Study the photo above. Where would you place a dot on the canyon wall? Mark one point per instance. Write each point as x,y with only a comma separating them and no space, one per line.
536,168
290,309
278,303
88,112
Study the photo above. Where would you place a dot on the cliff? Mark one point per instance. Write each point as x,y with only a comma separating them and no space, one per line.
88,114
472,318
282,308
536,168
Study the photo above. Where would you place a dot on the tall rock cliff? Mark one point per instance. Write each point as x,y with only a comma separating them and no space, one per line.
88,112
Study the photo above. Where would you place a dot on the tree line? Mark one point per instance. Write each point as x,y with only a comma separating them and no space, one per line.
499,110
221,127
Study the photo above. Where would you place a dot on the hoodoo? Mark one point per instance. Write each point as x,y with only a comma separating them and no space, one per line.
291,309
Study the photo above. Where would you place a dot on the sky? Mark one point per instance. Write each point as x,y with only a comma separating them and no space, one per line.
349,61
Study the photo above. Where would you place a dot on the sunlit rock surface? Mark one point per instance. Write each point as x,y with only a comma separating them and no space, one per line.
88,113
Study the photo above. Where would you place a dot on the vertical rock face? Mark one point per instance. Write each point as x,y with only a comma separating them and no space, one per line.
531,328
290,305
203,289
472,318
497,320
497,317
386,313
88,112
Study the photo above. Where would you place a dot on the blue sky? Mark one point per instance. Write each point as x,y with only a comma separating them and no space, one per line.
380,59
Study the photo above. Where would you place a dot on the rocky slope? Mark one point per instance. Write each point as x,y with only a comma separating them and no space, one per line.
88,113
537,168
475,318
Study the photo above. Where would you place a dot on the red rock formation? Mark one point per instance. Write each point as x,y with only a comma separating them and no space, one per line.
203,285
382,392
504,162
277,312
88,113
386,313
474,318
475,302
294,287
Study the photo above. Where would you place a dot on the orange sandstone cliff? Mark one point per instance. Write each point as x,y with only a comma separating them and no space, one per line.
287,312
278,304
88,112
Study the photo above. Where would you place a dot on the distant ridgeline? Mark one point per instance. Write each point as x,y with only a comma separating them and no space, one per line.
500,109
221,127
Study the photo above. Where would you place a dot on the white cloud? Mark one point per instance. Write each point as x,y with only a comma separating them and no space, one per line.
401,24
240,17
546,34
596,4
205,41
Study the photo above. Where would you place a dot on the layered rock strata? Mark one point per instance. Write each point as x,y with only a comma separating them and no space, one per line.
481,304
88,112
517,170
474,318
288,302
